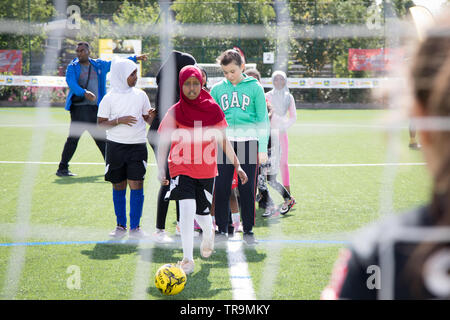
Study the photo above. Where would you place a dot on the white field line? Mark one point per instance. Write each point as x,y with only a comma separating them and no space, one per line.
33,125
241,281
290,165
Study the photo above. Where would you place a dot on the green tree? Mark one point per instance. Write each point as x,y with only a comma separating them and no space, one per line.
122,20
315,53
28,12
253,12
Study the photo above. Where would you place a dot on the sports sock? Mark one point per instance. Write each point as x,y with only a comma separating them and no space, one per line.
236,217
206,223
213,222
136,204
187,212
120,206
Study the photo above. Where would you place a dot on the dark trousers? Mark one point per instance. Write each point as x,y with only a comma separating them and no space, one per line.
273,182
266,200
82,118
247,155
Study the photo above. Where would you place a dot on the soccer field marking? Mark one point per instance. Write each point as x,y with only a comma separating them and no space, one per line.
33,125
295,128
112,242
290,165
241,281
357,164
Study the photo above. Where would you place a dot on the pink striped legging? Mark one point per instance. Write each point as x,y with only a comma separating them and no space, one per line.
284,166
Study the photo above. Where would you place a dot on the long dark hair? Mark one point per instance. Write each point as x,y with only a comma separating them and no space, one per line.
430,74
431,80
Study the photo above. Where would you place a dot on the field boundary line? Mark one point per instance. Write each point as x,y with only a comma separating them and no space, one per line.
241,281
290,165
177,242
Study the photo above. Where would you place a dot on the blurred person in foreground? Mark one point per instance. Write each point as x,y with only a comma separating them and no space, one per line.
408,256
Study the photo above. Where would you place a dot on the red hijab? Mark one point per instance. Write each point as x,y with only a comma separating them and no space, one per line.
204,108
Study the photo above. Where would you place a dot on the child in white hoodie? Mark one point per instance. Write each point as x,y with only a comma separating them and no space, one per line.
123,112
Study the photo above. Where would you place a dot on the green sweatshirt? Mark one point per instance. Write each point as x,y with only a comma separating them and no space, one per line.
245,110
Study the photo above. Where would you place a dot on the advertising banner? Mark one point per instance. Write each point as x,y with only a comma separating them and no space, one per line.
373,59
11,61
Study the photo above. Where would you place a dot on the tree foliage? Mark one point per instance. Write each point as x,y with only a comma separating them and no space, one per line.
33,11
314,54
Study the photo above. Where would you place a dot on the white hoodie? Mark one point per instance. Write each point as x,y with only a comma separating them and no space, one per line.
124,100
284,113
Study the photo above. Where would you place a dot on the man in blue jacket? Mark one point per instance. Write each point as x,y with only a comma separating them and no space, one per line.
86,79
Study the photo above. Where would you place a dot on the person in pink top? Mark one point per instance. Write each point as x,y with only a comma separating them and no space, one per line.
284,115
192,128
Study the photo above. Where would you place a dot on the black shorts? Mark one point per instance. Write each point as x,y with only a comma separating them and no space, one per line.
184,187
125,161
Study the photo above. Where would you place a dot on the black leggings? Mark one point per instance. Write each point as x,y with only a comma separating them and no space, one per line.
273,182
82,118
247,154
266,199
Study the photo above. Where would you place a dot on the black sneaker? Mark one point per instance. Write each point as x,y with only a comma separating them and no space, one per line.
64,173
287,206
271,212
249,238
221,237
415,146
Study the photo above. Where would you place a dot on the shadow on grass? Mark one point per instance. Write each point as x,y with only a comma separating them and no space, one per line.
261,221
76,179
198,285
110,251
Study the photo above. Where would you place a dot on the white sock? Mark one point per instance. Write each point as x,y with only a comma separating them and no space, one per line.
205,223
187,212
236,217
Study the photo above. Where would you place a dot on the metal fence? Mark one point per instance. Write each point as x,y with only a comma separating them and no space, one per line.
307,39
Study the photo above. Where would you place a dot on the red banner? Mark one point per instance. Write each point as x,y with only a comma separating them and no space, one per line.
11,61
373,59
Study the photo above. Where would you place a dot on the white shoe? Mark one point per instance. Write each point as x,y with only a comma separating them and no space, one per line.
186,265
137,233
118,233
207,245
161,236
238,227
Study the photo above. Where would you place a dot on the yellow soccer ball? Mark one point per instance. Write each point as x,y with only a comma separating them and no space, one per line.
170,279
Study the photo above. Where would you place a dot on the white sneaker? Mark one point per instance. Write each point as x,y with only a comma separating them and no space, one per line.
238,227
161,236
138,233
186,265
119,232
207,245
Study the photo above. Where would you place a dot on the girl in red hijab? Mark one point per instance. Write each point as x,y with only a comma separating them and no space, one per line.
192,128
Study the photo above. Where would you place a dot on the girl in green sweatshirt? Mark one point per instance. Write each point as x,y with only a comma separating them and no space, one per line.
242,100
